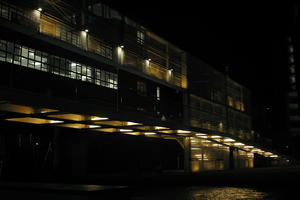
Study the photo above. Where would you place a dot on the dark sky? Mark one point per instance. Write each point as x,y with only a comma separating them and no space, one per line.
248,36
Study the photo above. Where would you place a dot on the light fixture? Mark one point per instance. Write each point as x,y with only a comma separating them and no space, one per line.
159,127
238,144
94,126
86,30
40,9
122,46
229,140
200,134
98,118
150,133
132,123
149,59
183,131
125,130
215,136
56,121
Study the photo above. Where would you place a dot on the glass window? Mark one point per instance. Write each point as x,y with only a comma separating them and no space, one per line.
157,93
2,45
24,62
25,52
42,61
31,53
141,88
140,37
2,55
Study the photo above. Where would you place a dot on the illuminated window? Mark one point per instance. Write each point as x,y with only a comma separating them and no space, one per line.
229,101
140,37
42,61
157,93
292,69
293,79
291,59
291,49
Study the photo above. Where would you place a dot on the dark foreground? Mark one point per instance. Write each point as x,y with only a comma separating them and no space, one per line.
254,184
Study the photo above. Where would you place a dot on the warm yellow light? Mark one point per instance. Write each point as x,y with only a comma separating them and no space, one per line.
183,131
268,153
159,127
40,9
150,133
248,147
99,118
215,136
94,126
56,121
229,140
200,134
125,130
73,117
203,136
30,120
256,150
86,30
78,126
46,110
122,46
274,156
133,123
238,144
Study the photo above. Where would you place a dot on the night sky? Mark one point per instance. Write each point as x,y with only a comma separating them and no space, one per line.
247,36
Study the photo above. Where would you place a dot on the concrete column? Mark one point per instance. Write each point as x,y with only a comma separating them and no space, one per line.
187,154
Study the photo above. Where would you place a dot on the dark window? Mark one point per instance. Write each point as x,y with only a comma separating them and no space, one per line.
141,88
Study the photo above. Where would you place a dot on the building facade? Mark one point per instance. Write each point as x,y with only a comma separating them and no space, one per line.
86,91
